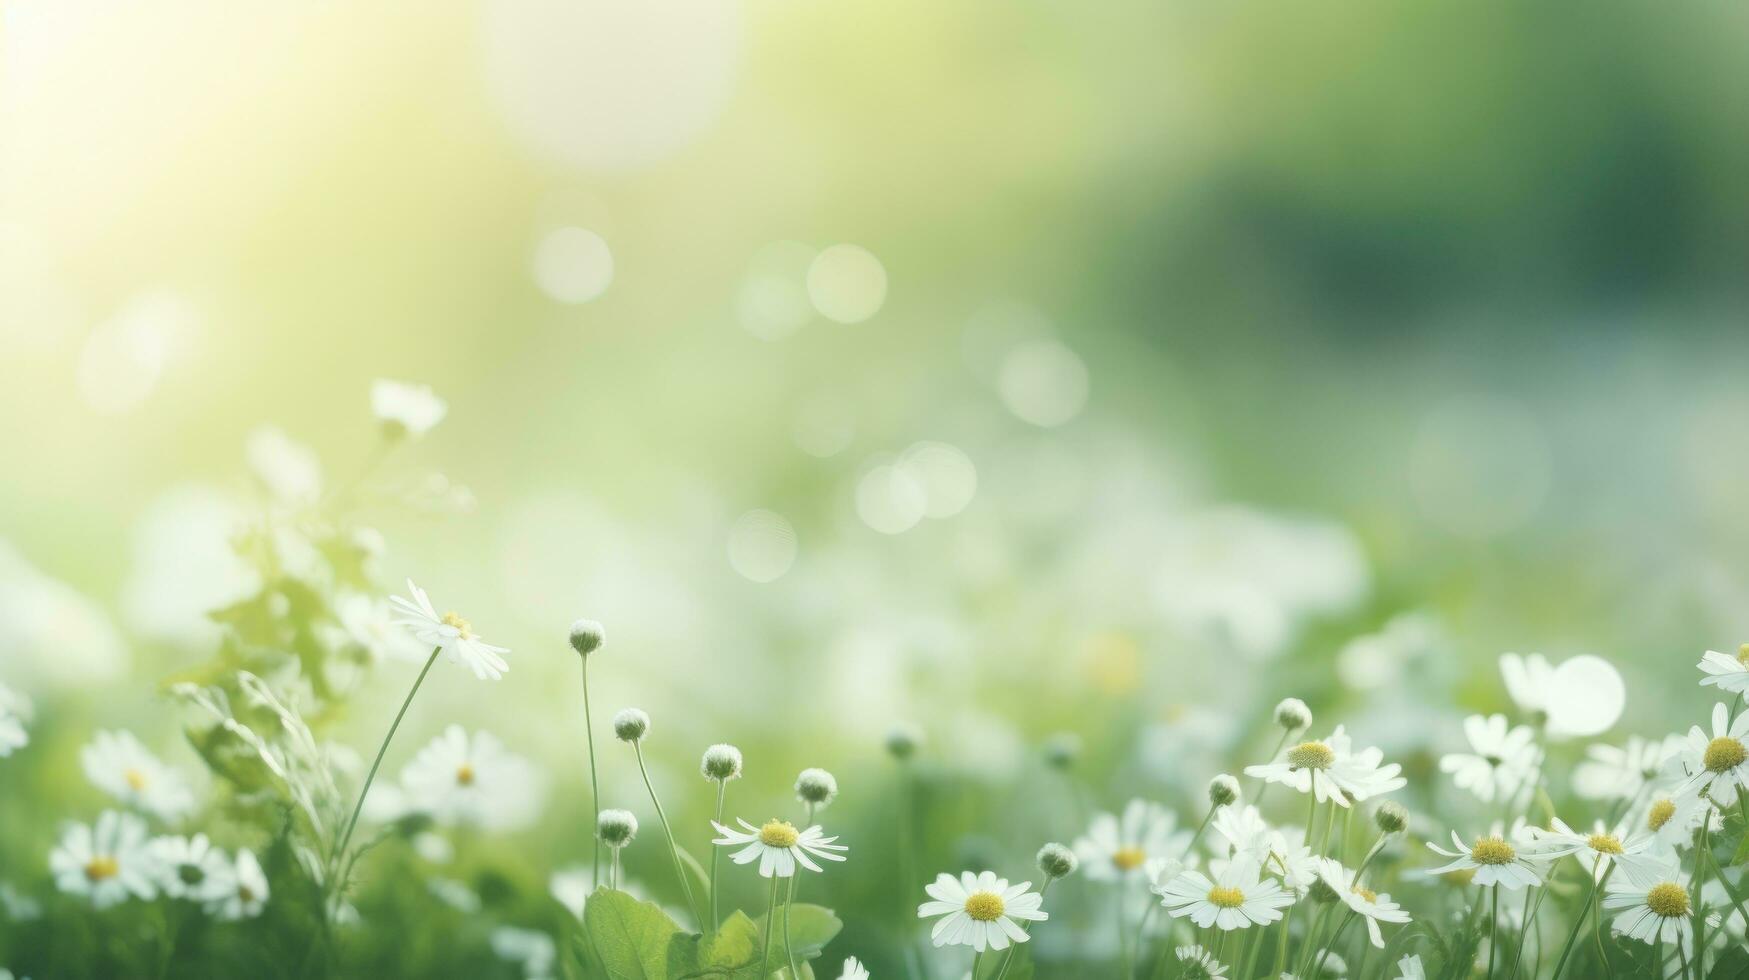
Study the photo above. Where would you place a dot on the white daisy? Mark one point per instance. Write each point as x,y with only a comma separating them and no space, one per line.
1332,771
14,713
1610,772
1655,912
106,862
1508,860
979,910
1237,897
1196,963
1672,819
369,623
534,949
118,764
1116,848
474,781
778,846
1722,760
450,633
191,868
1410,968
1503,760
1276,851
405,409
1582,696
853,970
1363,901
1727,673
1598,849
248,893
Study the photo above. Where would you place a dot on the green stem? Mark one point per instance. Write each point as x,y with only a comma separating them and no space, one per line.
1579,923
594,783
711,927
673,848
979,955
770,921
352,824
1702,859
1199,829
1281,941
1319,971
1523,932
1494,931
1264,784
790,901
1026,926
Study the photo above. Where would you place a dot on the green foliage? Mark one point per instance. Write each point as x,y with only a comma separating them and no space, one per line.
625,939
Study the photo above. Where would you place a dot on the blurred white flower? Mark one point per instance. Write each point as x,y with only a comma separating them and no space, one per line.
454,894
1620,773
405,409
14,713
1503,759
1582,697
1117,848
1236,898
1332,771
778,846
118,764
1362,901
18,906
452,634
369,622
570,887
289,471
106,862
534,950
1721,760
55,635
853,970
473,781
1508,860
978,910
1196,963
191,868
184,566
1726,673
1410,968
248,893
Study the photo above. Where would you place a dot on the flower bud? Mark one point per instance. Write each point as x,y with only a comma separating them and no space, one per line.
721,763
630,725
1293,715
616,828
816,786
1391,817
1223,789
902,741
1057,861
1061,750
587,636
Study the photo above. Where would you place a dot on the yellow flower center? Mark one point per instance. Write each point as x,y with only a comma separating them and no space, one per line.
1227,898
1660,814
1310,755
136,779
1743,654
1604,843
245,893
465,628
1366,893
778,833
1128,858
985,906
1668,900
1492,850
464,775
101,868
1724,754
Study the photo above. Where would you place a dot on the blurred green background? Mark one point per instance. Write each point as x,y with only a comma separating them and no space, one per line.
1179,333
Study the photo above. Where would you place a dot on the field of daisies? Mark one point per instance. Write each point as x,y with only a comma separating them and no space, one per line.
1540,843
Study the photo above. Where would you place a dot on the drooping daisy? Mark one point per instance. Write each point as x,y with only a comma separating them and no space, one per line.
1726,673
118,764
1503,758
475,781
1653,912
1196,963
106,862
191,868
1410,968
1598,849
853,970
1236,898
248,891
1611,772
978,910
14,713
778,846
405,409
1721,761
1116,848
1369,905
1332,771
1507,860
450,633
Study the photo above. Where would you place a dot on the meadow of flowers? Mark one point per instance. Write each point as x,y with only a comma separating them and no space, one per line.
1540,844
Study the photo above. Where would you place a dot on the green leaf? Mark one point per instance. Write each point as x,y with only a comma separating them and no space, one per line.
811,927
631,938
701,878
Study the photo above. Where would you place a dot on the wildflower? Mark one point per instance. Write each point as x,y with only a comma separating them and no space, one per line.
1722,760
1726,673
902,741
405,410
118,764
1600,848
616,828
587,636
369,623
1672,819
1116,848
778,846
1391,817
247,893
1652,912
570,887
1620,773
106,862
1503,760
1236,898
1293,715
290,472
1410,968
1196,963
534,949
14,713
816,787
1496,859
631,725
1582,696
721,763
1373,907
1061,750
1223,789
853,970
450,634
458,779
1057,861
980,910
191,868
1332,771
